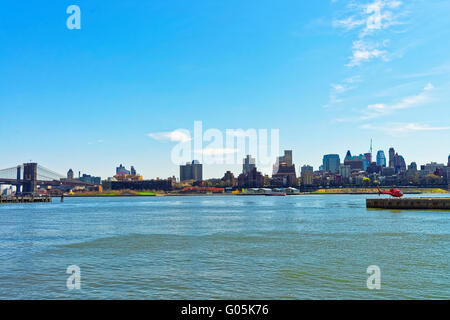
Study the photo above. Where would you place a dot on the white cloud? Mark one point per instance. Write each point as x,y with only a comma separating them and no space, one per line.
379,109
174,136
349,23
377,17
363,52
368,19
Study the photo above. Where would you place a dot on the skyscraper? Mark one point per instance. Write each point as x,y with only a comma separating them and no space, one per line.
412,166
191,171
249,164
381,158
306,172
356,162
286,159
306,168
396,161
285,175
399,163
331,163
391,158
345,171
253,179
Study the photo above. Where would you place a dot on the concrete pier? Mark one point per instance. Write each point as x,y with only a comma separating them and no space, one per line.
25,199
409,203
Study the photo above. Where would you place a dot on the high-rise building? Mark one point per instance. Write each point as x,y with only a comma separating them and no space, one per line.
399,163
447,171
391,158
285,175
90,179
229,179
345,171
430,168
121,171
123,174
306,168
307,178
381,158
287,159
70,174
191,171
249,164
331,163
356,162
447,174
197,170
412,166
253,179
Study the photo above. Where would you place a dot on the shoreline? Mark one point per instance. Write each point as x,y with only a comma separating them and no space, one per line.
229,194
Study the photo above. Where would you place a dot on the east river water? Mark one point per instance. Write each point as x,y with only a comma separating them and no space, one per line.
222,247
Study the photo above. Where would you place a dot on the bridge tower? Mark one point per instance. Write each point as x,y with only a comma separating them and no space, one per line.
29,177
18,186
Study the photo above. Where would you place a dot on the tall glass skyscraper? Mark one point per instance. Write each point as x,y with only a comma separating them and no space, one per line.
331,163
381,158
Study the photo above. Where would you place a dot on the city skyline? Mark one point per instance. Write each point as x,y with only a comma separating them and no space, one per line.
330,76
249,163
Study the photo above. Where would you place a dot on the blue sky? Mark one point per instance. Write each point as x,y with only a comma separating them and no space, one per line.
330,75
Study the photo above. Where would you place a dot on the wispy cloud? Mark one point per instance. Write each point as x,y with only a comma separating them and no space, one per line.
349,23
367,19
380,109
379,15
363,52
435,71
403,128
337,89
174,136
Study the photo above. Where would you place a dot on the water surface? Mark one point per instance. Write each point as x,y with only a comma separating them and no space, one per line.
222,247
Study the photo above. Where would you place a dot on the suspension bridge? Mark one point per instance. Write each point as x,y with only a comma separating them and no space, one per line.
29,176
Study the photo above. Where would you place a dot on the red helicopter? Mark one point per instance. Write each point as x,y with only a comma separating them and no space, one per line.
397,193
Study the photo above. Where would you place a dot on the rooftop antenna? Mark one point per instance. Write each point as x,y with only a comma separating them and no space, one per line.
370,145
